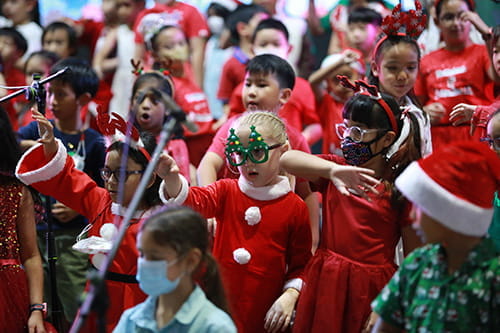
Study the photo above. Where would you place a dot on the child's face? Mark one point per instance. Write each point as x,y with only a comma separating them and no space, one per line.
127,10
34,65
428,229
62,100
18,11
397,70
493,132
249,28
271,41
171,45
108,8
262,92
113,163
260,174
150,114
8,49
453,29
361,36
496,57
57,41
334,86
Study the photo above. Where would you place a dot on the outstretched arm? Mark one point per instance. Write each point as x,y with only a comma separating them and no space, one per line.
345,178
168,170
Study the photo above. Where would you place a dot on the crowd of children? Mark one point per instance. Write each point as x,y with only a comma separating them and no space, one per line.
403,164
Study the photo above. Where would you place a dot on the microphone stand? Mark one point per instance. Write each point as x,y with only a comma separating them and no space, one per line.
97,299
36,92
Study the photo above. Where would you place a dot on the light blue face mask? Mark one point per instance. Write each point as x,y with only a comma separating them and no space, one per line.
152,277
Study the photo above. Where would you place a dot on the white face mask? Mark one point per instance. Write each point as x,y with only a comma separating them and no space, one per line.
215,24
280,52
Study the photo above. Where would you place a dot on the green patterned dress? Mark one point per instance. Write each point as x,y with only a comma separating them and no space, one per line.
423,297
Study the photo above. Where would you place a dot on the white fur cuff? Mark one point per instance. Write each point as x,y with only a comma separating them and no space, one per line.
294,283
180,198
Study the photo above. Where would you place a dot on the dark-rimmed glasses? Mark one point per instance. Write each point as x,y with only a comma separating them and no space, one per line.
106,173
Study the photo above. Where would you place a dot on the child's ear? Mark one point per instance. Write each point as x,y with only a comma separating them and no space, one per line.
285,95
193,259
290,48
374,68
241,28
389,138
84,99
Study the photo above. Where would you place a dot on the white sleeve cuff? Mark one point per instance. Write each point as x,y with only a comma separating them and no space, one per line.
294,283
180,198
50,170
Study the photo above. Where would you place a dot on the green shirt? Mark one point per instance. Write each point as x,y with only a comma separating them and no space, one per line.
494,230
423,297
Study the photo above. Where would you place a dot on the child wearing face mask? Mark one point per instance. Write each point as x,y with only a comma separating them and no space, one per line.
170,52
451,284
173,267
356,253
263,236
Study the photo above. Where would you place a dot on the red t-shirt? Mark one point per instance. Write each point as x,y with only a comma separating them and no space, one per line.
233,73
330,113
451,78
180,14
14,78
299,111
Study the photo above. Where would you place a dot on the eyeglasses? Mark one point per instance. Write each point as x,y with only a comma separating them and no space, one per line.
256,155
106,173
494,143
353,132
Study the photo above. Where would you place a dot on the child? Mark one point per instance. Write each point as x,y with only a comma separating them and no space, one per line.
173,247
170,52
395,63
48,168
263,236
59,38
150,95
22,286
241,24
13,47
271,37
118,41
25,17
452,284
460,72
67,94
355,258
330,95
269,81
175,13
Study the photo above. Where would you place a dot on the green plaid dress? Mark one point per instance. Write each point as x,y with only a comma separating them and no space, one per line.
423,297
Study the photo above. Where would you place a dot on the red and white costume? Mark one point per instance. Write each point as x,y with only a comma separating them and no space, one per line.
262,242
59,179
354,261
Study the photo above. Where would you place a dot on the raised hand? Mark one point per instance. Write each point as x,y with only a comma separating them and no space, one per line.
46,132
462,113
351,179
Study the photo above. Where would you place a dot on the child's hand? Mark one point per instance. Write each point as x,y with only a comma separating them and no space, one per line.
63,213
350,56
435,111
166,166
280,314
462,113
353,179
35,322
476,20
46,133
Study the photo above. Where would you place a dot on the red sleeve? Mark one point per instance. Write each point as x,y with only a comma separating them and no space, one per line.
194,24
307,101
226,83
207,200
299,244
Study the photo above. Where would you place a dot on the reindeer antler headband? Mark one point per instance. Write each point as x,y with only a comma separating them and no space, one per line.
363,88
399,23
117,128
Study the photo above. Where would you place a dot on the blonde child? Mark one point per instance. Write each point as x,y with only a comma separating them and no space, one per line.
173,267
355,258
263,236
452,284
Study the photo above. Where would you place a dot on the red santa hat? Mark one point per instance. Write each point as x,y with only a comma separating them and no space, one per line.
455,186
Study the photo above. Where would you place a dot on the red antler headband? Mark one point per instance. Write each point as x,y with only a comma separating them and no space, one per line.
398,23
363,88
139,70
118,128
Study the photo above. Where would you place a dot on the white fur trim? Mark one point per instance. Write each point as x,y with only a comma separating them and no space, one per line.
294,283
46,172
180,198
119,210
265,193
252,215
241,256
442,205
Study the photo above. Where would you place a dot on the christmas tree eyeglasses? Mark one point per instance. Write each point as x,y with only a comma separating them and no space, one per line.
257,150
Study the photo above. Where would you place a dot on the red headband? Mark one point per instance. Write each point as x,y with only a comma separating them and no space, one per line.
363,88
118,128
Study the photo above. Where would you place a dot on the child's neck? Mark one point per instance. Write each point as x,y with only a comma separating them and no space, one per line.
456,47
169,304
246,47
69,126
457,250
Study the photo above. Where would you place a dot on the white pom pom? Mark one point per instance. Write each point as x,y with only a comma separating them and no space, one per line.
241,256
252,215
108,231
98,260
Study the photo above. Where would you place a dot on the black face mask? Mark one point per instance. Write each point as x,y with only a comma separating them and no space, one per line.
358,153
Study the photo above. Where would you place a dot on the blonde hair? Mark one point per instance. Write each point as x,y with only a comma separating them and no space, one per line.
264,120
